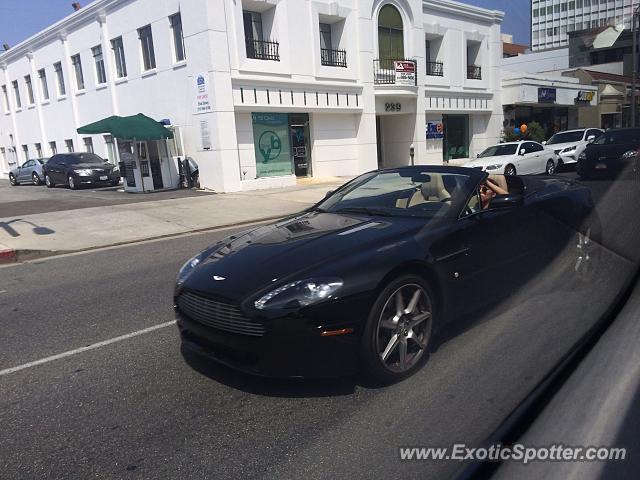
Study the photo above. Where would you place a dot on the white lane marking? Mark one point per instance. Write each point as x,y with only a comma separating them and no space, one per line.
84,349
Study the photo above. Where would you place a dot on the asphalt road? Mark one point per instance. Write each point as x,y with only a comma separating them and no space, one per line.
139,408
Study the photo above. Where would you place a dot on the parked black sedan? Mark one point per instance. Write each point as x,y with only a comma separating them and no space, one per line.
369,275
612,153
77,169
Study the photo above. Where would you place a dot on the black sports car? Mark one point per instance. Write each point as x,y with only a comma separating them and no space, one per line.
611,154
78,169
368,276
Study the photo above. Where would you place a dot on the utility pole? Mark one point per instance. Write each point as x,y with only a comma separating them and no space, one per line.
634,49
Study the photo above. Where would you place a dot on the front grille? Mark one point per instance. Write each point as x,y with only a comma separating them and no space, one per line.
222,316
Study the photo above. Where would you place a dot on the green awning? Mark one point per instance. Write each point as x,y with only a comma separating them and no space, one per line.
134,127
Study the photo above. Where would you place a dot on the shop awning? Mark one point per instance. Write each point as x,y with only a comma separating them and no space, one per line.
134,127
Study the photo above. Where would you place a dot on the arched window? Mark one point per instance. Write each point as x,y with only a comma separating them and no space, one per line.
390,39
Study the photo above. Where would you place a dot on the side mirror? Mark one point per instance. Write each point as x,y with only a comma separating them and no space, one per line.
544,143
522,152
477,155
501,202
328,194
591,138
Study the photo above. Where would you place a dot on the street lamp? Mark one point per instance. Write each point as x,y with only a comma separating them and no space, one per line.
634,20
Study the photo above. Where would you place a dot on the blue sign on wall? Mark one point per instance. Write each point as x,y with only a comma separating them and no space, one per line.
546,95
435,130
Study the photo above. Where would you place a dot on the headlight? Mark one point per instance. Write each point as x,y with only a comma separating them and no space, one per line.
84,173
188,267
568,149
299,293
494,167
629,154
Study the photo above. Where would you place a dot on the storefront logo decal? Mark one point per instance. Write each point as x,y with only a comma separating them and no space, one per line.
270,146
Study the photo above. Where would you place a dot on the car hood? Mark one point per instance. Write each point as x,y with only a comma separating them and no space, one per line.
483,162
609,151
561,146
291,249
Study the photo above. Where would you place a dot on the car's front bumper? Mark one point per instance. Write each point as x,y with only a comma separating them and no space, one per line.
97,179
567,158
292,346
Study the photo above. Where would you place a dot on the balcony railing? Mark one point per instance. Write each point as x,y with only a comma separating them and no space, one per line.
474,72
262,49
333,58
384,72
435,69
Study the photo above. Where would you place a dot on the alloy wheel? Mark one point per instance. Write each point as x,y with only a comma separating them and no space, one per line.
404,328
72,183
12,180
510,170
35,178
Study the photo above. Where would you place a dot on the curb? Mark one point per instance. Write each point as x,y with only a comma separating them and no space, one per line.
8,256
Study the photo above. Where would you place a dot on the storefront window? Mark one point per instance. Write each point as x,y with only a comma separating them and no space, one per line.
271,143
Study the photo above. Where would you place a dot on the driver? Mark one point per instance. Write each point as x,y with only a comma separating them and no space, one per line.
489,189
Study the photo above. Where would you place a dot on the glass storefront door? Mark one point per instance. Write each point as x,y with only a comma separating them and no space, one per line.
299,130
455,143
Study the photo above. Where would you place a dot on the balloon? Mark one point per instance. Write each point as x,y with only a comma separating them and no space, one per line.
523,128
516,130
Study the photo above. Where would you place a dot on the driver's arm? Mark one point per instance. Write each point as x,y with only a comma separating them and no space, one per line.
495,187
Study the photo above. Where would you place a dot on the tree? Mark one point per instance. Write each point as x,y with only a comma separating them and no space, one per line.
534,132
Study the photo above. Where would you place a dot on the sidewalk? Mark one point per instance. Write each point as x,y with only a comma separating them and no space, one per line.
52,233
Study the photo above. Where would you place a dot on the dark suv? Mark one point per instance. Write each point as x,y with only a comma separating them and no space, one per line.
77,169
611,153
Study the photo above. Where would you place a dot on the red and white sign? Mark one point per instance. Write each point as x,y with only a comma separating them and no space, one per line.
405,72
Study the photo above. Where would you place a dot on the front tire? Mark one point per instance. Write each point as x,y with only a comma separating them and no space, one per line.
72,182
48,182
510,170
550,168
13,181
398,331
35,179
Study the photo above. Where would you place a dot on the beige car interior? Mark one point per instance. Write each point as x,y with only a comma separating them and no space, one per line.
431,191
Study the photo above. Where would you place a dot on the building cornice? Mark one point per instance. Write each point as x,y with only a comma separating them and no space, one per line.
463,10
91,13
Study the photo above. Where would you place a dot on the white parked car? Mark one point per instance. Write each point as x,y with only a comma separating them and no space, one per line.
569,144
523,158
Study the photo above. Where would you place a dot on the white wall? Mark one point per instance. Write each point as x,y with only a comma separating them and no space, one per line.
334,145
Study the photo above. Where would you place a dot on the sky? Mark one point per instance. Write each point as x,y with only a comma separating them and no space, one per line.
23,18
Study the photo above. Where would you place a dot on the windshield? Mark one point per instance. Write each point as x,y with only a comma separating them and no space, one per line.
498,150
566,137
613,137
413,192
79,158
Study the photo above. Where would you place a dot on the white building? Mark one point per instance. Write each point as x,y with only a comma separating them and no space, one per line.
552,20
260,92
